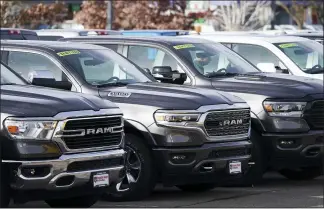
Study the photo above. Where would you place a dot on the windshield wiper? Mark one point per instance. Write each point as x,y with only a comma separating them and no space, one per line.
8,84
215,74
118,83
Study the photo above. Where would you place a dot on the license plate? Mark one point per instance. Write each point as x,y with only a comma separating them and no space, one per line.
100,179
235,167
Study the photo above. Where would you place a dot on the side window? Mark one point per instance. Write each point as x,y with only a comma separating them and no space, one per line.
149,57
257,55
25,63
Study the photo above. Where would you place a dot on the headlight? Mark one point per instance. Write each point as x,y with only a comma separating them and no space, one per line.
176,119
30,129
284,109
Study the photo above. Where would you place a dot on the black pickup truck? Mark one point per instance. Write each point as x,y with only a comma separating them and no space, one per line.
49,145
175,135
287,111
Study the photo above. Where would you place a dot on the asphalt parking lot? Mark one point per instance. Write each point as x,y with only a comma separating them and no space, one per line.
276,191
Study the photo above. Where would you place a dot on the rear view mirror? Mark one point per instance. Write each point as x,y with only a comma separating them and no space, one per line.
45,78
267,67
299,52
166,75
280,70
92,62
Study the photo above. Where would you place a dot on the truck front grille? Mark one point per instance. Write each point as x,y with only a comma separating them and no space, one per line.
315,115
93,132
229,122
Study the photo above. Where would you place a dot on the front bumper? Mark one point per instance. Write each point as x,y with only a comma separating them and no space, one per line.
294,150
69,171
206,164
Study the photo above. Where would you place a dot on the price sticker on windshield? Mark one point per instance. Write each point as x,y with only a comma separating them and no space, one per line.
184,46
288,45
66,53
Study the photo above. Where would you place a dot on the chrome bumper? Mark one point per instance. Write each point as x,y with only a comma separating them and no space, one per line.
59,170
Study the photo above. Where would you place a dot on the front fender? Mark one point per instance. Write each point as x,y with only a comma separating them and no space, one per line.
256,123
133,126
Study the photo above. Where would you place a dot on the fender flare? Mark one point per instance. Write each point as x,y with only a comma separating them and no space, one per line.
131,125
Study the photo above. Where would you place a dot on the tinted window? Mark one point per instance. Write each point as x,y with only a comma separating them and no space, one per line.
25,63
19,37
306,54
110,46
12,37
149,57
50,38
9,77
30,37
257,55
99,66
213,59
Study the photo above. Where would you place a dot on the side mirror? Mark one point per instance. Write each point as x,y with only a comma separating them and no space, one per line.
45,78
166,75
280,70
267,67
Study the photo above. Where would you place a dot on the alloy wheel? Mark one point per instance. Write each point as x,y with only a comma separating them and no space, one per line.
132,170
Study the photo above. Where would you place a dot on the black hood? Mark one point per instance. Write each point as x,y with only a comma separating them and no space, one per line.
33,101
271,85
168,96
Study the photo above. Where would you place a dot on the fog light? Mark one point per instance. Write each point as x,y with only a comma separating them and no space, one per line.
288,143
182,158
35,172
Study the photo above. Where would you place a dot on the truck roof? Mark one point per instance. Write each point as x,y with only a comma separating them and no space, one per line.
18,29
49,45
154,32
252,38
166,40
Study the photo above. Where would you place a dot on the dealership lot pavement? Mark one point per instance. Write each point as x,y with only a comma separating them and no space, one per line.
275,192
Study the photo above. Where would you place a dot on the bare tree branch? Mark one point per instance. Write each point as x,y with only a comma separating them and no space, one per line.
248,15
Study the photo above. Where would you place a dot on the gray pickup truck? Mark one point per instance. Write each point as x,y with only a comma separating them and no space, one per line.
62,147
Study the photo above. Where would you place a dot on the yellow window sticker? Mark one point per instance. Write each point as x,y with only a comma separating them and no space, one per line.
65,53
184,46
287,45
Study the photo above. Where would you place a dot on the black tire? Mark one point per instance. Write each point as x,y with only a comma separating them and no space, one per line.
4,188
74,202
255,173
302,174
196,187
146,179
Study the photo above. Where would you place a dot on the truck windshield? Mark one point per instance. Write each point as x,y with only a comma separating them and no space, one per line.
307,55
101,67
212,60
8,77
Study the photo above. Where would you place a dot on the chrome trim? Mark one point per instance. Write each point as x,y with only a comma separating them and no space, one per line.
87,113
59,131
199,125
59,169
73,115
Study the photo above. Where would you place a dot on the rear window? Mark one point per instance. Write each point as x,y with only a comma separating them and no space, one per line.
6,35
50,38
